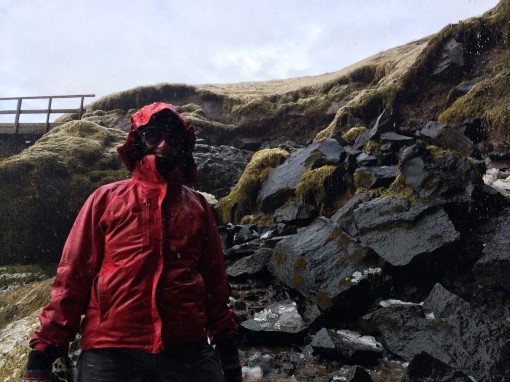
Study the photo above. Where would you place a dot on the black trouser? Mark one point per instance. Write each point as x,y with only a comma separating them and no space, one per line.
184,363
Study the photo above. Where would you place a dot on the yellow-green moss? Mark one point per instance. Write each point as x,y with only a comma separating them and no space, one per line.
241,200
353,133
399,189
312,186
489,100
372,147
191,108
260,219
43,187
362,179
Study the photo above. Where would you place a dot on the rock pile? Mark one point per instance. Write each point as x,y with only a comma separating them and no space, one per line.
400,274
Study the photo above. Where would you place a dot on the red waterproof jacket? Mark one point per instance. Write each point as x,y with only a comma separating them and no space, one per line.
143,262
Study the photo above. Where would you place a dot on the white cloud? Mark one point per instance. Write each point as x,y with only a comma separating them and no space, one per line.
105,46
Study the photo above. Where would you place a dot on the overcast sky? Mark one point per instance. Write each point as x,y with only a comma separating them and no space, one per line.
58,47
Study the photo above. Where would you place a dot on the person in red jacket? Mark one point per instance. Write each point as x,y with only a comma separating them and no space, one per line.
144,266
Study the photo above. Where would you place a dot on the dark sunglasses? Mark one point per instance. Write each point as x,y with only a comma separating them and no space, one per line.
153,137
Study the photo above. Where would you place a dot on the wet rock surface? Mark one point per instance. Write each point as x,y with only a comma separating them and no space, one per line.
219,167
404,281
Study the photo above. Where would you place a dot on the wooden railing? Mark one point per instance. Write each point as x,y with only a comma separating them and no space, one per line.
37,128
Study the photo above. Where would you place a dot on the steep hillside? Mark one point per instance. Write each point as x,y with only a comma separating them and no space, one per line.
459,73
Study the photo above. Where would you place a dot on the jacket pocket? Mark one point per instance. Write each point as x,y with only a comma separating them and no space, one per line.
102,297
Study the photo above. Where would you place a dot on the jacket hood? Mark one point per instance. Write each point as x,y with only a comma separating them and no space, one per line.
132,151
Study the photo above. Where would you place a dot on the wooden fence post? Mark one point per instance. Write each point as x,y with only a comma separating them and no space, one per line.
16,121
48,115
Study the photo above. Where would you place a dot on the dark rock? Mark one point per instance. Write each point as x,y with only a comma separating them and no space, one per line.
280,229
400,232
373,133
493,269
452,58
327,266
282,181
245,233
447,137
442,175
219,168
290,146
295,213
248,144
473,129
270,235
459,91
450,330
374,177
350,374
227,233
241,250
346,346
483,345
426,368
350,159
344,216
362,140
250,265
279,324
364,159
398,139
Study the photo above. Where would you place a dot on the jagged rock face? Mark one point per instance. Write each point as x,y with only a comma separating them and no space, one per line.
444,136
350,374
326,265
401,233
283,180
346,346
425,368
493,269
219,168
279,323
450,330
295,213
443,175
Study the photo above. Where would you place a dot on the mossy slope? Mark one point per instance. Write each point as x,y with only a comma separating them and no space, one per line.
43,188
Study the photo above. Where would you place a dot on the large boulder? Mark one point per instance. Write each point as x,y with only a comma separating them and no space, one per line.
449,329
493,269
447,137
280,323
219,168
425,368
438,174
283,180
346,346
401,232
327,266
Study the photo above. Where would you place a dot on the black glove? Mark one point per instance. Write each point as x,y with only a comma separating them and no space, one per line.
233,374
230,364
39,367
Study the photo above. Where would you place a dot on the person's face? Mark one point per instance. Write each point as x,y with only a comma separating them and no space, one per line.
161,143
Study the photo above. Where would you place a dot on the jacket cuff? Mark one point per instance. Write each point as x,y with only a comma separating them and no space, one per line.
39,362
229,357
